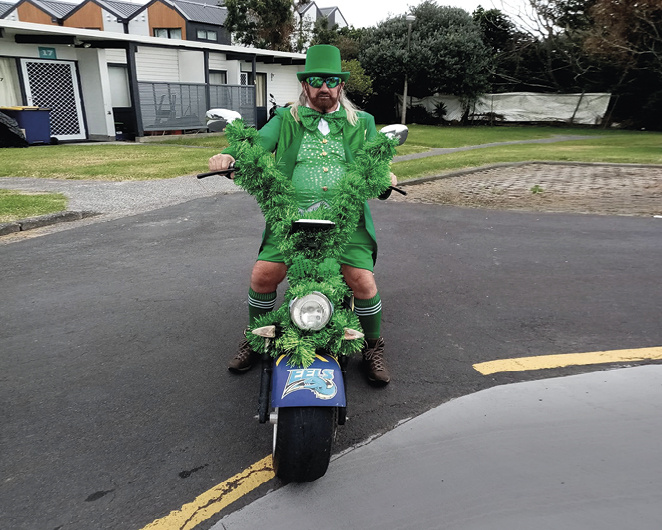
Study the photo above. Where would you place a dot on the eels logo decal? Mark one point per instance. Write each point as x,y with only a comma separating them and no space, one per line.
319,382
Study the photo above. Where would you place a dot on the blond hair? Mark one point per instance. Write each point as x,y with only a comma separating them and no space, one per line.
344,101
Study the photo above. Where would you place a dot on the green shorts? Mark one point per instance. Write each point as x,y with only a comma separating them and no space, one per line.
360,252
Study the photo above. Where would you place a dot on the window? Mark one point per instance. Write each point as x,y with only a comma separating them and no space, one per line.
119,86
207,34
261,90
218,77
243,80
10,90
168,33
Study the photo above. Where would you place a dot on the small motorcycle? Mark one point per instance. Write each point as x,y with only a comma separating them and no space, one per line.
218,119
274,106
305,344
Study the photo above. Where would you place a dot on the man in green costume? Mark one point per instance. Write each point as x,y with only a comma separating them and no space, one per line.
314,140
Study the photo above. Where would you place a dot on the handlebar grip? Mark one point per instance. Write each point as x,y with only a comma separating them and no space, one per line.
388,191
226,172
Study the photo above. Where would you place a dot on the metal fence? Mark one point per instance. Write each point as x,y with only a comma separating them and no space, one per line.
175,106
234,97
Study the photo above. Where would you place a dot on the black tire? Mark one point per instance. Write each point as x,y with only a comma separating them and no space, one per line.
303,440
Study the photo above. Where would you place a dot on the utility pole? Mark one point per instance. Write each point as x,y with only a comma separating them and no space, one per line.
410,19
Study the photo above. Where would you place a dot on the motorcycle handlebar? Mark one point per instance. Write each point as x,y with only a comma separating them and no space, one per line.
226,172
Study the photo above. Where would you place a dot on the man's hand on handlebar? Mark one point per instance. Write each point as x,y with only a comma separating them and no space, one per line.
221,162
393,187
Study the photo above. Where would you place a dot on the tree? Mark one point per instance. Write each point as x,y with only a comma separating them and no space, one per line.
348,39
570,15
628,35
302,34
267,24
511,50
322,33
559,28
446,54
548,51
496,28
584,46
359,85
628,32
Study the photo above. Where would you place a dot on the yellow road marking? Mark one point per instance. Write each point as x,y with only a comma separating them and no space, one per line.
542,362
214,500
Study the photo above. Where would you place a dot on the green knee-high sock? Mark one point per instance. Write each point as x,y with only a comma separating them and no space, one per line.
370,315
259,304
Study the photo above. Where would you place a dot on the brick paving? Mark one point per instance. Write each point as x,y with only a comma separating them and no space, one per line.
607,189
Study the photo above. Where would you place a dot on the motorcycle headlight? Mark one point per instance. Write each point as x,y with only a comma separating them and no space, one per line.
311,312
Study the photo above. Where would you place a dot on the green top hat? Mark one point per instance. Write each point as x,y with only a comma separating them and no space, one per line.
323,60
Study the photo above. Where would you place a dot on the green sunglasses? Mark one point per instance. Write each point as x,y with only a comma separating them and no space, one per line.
317,82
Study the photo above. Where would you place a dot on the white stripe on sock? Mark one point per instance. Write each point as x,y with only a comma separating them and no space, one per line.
367,311
262,304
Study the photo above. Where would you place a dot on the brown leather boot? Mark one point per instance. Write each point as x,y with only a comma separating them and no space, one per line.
244,360
375,365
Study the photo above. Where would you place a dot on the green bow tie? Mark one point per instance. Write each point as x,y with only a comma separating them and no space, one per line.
310,119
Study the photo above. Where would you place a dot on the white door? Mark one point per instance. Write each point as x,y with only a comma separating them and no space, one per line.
54,85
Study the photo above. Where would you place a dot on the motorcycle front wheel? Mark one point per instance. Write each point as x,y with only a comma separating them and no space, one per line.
303,438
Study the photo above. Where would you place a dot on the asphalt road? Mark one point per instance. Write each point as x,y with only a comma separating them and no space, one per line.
117,406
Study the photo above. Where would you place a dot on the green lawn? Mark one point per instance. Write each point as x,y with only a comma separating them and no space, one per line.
424,137
629,147
16,205
430,136
115,162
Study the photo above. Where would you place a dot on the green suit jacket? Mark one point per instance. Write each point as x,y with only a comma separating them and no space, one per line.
283,134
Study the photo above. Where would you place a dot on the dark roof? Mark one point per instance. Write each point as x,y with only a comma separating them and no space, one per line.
217,3
197,12
6,7
206,11
303,8
58,10
123,9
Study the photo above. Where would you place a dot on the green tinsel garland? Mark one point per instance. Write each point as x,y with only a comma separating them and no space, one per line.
366,178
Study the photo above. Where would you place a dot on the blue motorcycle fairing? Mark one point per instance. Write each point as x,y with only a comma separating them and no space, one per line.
319,385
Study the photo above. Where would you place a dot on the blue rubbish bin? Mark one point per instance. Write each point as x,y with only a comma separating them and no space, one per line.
35,121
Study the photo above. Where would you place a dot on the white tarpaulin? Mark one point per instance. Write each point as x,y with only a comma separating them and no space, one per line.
587,109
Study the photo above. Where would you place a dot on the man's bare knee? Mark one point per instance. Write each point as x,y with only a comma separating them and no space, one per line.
360,281
267,275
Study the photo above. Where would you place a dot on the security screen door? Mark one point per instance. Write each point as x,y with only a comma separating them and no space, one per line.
54,85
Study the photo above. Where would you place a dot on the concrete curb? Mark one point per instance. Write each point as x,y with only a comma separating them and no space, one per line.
469,171
43,220
9,228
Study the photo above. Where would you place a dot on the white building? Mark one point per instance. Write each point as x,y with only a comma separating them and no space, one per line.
311,13
100,82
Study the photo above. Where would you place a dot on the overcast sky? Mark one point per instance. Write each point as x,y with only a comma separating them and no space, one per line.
365,13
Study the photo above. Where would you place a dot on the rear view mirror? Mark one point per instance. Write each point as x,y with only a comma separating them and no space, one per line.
397,131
